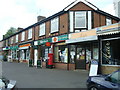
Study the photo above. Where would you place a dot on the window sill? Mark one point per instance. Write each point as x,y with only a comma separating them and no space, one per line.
110,65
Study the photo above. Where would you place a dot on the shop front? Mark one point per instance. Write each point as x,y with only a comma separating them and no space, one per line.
14,53
24,51
42,50
60,51
6,53
83,48
109,37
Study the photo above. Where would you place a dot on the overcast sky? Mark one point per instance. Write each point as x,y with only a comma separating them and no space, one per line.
23,13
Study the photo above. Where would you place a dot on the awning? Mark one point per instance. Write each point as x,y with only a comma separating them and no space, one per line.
20,48
82,39
108,30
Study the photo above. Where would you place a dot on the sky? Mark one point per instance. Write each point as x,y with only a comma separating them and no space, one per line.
23,13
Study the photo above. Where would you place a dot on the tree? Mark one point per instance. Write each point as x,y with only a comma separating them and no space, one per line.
11,31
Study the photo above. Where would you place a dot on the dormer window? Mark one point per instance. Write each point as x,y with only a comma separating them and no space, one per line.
80,19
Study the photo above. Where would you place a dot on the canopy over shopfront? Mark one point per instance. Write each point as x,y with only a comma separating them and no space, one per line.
108,30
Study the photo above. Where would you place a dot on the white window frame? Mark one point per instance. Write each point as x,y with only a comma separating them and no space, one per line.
42,29
16,38
30,33
71,19
89,20
76,17
108,21
23,36
55,25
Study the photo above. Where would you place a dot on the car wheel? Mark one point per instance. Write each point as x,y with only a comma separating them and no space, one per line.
93,87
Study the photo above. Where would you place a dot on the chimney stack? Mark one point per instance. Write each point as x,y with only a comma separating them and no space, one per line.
19,29
40,18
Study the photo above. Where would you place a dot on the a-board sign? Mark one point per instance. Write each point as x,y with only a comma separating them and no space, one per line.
93,68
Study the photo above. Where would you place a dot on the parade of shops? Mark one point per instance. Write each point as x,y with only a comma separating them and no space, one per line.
71,38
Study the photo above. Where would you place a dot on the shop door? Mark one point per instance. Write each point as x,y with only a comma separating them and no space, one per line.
35,57
80,58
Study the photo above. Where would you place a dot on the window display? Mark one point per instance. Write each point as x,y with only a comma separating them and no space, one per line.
72,53
110,52
61,54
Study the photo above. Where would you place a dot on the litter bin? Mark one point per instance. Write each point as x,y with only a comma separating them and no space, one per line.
30,63
39,63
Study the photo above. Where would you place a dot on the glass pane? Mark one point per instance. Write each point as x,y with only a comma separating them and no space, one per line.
56,50
80,53
80,19
72,53
88,54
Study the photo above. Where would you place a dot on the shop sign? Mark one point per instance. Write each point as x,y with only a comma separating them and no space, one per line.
25,45
110,29
40,42
83,34
6,48
48,44
14,47
60,38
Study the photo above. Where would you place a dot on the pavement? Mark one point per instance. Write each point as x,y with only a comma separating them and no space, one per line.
32,77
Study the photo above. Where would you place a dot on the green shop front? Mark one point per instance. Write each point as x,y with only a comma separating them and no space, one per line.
41,50
55,45
14,53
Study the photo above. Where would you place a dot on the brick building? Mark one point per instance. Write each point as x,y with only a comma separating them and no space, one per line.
70,35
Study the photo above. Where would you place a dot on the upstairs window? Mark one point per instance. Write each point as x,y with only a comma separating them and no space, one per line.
42,29
23,36
108,21
30,33
16,38
12,40
54,25
80,19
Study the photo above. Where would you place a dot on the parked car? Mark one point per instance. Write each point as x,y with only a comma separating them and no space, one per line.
7,84
104,82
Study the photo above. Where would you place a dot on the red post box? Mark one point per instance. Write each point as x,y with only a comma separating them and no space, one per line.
50,60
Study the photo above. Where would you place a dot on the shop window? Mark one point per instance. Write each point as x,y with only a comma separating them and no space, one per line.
61,54
95,51
88,54
27,54
110,52
72,53
13,54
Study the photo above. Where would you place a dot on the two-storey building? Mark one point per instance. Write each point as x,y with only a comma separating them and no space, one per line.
69,35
